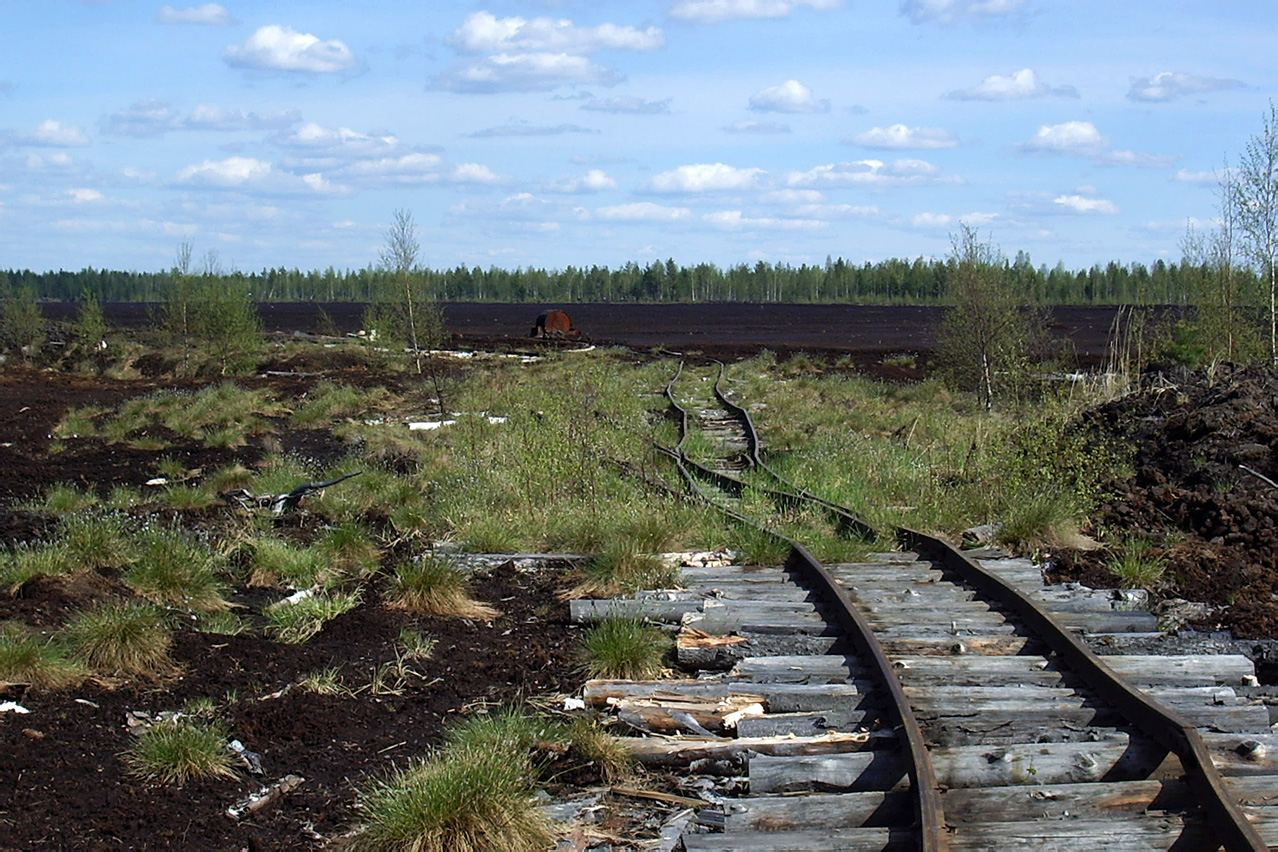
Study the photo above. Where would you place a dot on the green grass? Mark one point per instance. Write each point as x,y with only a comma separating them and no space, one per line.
455,801
326,681
179,750
174,569
623,648
275,562
432,585
295,623
1138,564
121,638
26,657
624,568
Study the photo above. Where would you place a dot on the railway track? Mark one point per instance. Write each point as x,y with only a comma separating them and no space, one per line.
923,697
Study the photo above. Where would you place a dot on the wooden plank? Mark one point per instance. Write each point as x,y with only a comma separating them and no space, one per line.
588,611
818,810
948,645
681,751
694,651
1091,799
777,697
825,668
845,840
763,622
1148,670
1115,759
1136,833
806,724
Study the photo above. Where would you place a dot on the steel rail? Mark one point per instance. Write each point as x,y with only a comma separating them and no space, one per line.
1163,725
1159,722
929,817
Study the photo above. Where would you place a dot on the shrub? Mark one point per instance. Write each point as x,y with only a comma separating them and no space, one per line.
129,638
29,658
175,751
429,585
623,648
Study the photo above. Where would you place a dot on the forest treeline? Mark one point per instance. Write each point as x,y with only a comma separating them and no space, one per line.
896,281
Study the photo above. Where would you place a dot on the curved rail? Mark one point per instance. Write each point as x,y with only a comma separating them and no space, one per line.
1165,727
928,813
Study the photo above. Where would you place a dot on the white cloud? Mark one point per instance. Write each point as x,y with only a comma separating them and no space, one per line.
406,169
1133,158
759,127
85,196
1082,139
525,72
1198,178
870,172
252,175
900,137
233,171
483,32
594,180
932,220
523,128
705,177
278,48
735,220
51,133
791,96
1170,85
210,14
714,11
1071,137
339,143
1019,85
474,173
142,118
643,211
213,117
630,105
950,11
1085,205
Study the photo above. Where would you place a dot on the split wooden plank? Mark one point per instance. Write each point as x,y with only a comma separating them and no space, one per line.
681,751
777,697
696,649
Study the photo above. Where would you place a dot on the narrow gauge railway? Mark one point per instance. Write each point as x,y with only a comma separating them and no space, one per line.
923,698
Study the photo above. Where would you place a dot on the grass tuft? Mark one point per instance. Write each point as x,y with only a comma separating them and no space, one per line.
1138,565
121,637
34,660
295,623
178,750
456,801
429,585
618,648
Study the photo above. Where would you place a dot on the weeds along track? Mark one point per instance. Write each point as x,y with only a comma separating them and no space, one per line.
922,697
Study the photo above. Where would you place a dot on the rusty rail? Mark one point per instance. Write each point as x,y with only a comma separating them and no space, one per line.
929,817
1160,723
1163,725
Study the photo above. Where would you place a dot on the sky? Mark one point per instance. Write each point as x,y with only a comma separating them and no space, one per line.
550,133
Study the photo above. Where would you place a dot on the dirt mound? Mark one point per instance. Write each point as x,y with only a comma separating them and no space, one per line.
1202,488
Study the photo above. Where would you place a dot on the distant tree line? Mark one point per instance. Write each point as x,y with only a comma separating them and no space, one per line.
896,281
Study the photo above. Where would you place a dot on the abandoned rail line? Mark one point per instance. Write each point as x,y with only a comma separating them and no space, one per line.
923,697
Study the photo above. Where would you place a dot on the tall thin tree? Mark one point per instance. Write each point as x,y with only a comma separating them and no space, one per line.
1256,188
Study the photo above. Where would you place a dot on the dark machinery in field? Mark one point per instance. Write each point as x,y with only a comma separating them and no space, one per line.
554,325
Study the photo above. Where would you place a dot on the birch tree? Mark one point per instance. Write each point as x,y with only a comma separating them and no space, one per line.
1256,195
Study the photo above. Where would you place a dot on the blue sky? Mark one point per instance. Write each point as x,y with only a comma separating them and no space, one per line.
546,133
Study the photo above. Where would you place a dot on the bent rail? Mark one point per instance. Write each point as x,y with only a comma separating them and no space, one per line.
1163,725
928,812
